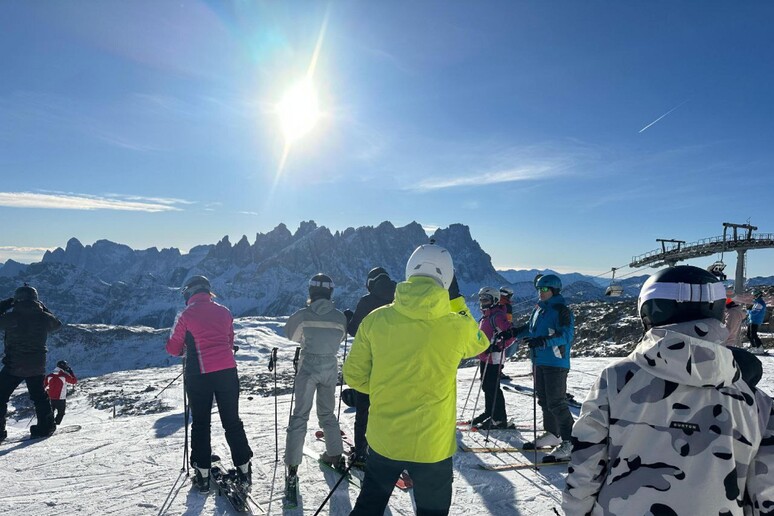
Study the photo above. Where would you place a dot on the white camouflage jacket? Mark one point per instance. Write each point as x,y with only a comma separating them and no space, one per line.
672,429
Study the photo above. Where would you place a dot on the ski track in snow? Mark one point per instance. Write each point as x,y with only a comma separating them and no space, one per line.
128,465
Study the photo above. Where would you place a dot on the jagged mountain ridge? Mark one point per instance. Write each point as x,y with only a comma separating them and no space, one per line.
109,283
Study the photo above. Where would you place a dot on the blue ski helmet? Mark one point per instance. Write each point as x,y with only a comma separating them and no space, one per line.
551,281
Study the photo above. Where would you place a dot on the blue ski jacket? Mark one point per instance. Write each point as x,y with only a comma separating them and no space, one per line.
758,311
552,319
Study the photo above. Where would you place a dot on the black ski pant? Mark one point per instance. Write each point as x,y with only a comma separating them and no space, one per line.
362,405
58,407
432,485
752,334
551,389
37,392
493,394
223,386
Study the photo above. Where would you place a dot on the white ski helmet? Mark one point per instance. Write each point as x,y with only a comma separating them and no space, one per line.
489,295
432,261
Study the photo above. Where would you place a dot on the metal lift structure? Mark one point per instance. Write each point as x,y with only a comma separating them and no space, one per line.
736,237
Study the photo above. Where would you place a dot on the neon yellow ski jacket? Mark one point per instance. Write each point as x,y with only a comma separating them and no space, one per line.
406,356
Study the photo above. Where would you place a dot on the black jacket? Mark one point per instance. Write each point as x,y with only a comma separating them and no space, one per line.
27,327
381,293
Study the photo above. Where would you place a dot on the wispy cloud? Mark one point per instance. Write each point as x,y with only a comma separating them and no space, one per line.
72,201
504,176
429,229
662,116
22,254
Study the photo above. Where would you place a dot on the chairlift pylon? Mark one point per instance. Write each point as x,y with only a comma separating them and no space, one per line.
614,289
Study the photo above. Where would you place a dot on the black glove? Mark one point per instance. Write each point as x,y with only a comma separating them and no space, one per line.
519,329
6,304
535,342
454,288
494,348
506,334
348,314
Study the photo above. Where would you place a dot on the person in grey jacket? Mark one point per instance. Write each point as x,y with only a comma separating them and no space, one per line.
677,427
320,329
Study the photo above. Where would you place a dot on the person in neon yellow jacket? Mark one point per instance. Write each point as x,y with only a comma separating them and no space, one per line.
405,356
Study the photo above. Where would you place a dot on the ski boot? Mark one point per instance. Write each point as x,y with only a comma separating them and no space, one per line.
337,462
291,488
201,479
244,475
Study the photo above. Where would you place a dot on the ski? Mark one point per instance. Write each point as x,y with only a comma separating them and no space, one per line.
61,430
320,436
290,500
404,483
229,486
496,449
527,391
521,465
354,481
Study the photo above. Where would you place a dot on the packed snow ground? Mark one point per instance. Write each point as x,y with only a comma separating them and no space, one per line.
128,464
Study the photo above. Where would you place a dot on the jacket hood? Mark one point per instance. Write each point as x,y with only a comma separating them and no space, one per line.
553,300
422,298
689,353
383,288
321,306
199,297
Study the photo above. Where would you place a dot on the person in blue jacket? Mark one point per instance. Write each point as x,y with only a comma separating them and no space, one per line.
549,335
756,316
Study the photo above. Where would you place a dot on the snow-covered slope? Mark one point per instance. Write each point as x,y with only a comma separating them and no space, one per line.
126,459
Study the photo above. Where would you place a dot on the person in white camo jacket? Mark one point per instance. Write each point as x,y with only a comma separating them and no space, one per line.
677,427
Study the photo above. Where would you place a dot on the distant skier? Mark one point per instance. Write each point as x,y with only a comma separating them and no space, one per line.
319,328
549,335
757,315
204,335
26,326
506,294
381,291
494,319
677,427
406,355
56,387
735,315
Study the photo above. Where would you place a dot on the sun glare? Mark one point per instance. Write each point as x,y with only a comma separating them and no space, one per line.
298,110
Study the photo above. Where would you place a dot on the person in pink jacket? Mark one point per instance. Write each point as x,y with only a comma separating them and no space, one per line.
56,387
494,319
203,335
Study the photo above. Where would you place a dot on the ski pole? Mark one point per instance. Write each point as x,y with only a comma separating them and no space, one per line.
168,385
273,367
341,384
481,388
293,390
534,404
494,402
465,406
185,448
335,486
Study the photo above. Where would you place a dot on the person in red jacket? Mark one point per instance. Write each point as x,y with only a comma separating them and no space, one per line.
204,335
56,387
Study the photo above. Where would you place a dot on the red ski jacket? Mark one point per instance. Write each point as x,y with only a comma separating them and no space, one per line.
55,384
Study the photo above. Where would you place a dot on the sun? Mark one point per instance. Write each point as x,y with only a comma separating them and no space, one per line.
298,110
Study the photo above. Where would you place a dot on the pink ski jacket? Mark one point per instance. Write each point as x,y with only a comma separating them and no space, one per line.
494,321
204,334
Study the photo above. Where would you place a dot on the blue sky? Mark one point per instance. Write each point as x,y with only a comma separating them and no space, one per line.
567,135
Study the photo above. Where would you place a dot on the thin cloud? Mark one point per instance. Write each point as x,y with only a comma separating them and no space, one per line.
505,176
69,201
662,116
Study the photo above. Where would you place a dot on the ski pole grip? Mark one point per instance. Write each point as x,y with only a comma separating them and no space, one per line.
295,359
273,359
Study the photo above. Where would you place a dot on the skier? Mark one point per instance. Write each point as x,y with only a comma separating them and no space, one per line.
493,321
204,335
406,355
549,336
381,291
319,328
26,327
756,316
506,293
675,427
735,315
56,387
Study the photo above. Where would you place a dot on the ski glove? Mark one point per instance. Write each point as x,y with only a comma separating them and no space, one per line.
6,304
348,314
536,342
519,329
494,348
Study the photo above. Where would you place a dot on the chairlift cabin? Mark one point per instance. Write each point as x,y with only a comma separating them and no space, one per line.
614,289
717,270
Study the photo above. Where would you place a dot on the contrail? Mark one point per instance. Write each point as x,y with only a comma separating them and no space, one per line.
662,116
